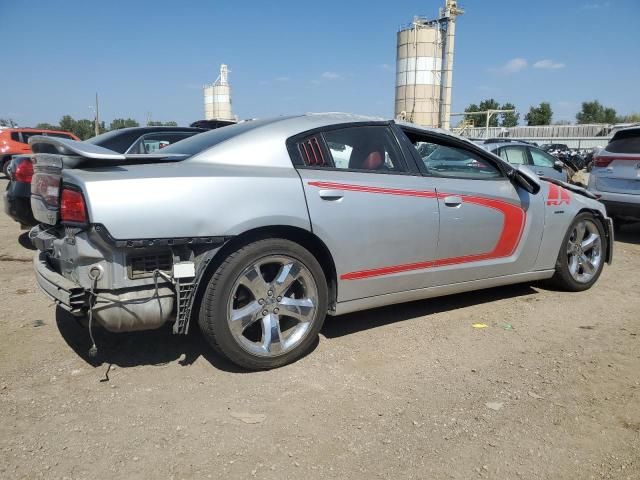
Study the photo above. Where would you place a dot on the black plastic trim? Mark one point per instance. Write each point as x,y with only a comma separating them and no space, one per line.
214,241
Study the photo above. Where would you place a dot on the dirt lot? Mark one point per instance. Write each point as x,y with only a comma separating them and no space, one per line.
410,391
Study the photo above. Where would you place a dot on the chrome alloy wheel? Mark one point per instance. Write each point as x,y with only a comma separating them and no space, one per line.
584,251
272,305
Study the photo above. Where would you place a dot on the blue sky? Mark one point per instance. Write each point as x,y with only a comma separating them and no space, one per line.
299,56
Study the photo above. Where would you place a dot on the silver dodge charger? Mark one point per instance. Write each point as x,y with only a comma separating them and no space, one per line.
257,231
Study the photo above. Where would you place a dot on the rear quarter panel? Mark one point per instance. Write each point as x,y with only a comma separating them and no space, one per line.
188,199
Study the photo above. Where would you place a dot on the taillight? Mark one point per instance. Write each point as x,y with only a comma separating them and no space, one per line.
602,161
72,206
606,161
24,171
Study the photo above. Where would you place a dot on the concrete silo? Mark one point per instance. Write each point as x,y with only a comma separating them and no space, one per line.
217,98
424,69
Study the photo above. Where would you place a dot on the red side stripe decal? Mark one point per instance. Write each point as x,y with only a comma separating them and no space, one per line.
514,221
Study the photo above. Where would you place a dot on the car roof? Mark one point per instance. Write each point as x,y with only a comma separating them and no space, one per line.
491,146
31,129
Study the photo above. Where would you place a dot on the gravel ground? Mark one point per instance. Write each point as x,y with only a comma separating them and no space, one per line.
550,389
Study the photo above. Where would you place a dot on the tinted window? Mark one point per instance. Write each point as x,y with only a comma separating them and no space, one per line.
153,142
118,141
541,159
59,135
371,148
27,135
15,136
206,140
445,161
514,155
625,142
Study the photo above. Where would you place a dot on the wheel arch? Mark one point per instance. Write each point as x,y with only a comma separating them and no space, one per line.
302,237
605,227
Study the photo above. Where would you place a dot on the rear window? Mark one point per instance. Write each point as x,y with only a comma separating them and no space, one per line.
59,135
625,142
206,140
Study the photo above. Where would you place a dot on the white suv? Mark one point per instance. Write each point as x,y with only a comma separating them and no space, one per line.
615,177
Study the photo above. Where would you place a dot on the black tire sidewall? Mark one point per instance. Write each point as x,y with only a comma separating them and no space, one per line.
213,311
562,276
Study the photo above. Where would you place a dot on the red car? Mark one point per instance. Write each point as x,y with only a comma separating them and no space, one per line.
15,141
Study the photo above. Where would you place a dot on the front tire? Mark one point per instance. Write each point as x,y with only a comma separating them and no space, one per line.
582,254
265,304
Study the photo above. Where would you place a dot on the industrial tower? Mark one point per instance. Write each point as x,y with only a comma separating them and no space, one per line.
424,68
217,98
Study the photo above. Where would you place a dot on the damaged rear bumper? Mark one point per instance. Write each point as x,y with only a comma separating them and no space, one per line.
124,310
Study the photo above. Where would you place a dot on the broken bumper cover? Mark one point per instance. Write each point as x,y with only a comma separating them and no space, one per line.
125,310
67,294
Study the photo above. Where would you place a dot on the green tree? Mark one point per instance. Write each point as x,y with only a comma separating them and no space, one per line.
595,112
67,123
84,129
47,126
509,119
481,120
118,123
631,118
154,123
540,115
7,122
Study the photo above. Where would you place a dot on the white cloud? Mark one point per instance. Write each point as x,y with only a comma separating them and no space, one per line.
548,64
331,75
281,79
595,6
385,66
512,66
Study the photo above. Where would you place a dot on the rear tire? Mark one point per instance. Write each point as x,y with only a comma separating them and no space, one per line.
5,166
265,304
582,254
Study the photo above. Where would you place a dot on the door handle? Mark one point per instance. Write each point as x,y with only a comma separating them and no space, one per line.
331,195
452,201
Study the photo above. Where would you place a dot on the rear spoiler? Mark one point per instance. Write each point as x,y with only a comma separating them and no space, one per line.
74,154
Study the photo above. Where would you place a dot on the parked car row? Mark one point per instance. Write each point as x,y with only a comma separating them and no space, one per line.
15,141
517,152
257,231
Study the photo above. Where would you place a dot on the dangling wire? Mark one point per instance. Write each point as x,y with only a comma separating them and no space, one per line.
93,351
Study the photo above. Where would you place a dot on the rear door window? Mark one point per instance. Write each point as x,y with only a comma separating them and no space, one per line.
541,159
360,148
514,155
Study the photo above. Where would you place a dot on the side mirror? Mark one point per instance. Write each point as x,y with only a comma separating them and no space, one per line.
558,165
525,179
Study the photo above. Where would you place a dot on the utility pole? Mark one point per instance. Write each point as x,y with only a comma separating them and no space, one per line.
97,122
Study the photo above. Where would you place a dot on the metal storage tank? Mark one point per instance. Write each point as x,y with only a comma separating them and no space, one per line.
217,98
419,73
424,68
